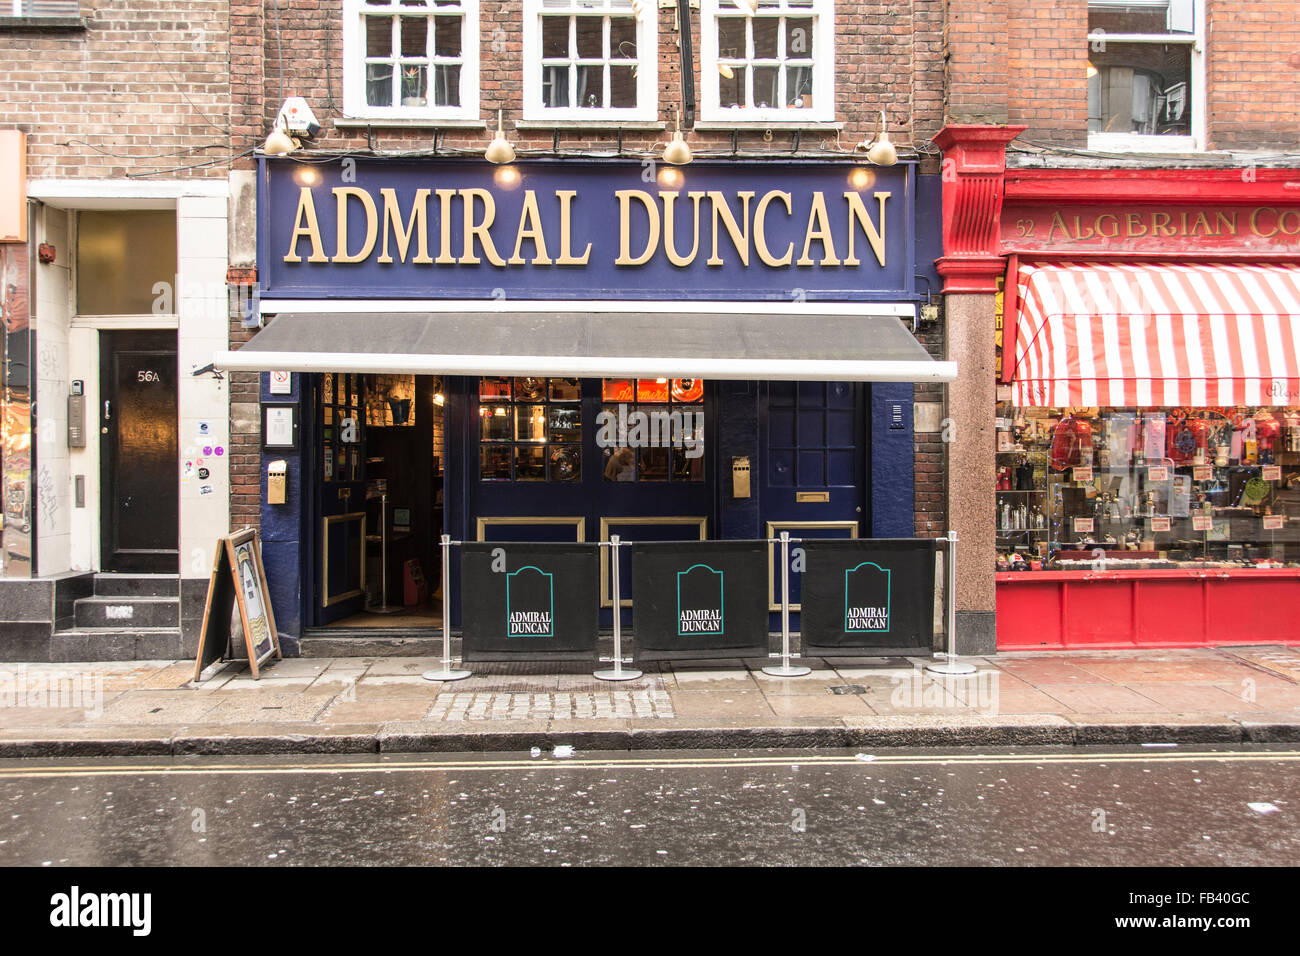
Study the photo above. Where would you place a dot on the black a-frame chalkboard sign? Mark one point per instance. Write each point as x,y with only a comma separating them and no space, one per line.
238,578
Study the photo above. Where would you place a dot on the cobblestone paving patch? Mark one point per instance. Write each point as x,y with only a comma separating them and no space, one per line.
557,705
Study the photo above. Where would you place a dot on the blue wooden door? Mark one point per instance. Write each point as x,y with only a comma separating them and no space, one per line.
812,442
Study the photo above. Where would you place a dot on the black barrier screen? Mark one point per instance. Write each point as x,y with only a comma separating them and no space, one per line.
699,599
529,601
864,597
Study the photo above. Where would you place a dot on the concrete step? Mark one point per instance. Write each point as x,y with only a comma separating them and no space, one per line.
127,612
137,585
362,642
116,644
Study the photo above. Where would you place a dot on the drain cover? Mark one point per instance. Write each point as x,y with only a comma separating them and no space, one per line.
848,689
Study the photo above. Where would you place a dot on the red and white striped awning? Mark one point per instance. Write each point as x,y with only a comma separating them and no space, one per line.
1156,334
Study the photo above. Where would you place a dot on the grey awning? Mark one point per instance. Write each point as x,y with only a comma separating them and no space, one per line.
720,345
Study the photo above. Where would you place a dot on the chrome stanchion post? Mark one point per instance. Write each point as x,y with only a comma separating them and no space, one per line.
951,666
384,606
447,672
617,672
786,669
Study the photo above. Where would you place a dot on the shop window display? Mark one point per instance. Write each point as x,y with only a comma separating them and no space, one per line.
1166,488
530,429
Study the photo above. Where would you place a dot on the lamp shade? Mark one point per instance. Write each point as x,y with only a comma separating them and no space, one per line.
499,151
278,143
882,151
677,152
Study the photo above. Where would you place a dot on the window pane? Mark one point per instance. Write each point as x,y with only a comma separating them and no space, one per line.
555,86
379,36
798,37
555,37
566,389
622,87
652,390
765,32
652,464
414,79
530,389
1141,18
616,389
620,464
591,38
765,91
446,90
591,87
494,462
446,36
530,463
1141,88
566,462
686,468
530,423
494,388
566,423
622,38
415,36
379,84
688,390
494,422
798,87
731,38
731,89
120,255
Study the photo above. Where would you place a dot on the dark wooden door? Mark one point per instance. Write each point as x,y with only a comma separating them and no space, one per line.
139,504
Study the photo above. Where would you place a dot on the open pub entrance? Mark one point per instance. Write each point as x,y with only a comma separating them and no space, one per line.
379,496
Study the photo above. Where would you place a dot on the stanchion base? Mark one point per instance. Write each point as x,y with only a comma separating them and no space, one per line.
447,674
386,609
787,670
953,668
626,673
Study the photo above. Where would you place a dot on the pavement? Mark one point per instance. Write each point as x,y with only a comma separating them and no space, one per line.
383,705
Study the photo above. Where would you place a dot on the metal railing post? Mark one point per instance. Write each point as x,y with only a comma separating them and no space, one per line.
786,669
617,672
447,672
951,666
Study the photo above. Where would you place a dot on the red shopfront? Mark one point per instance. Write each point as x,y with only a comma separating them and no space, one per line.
1148,417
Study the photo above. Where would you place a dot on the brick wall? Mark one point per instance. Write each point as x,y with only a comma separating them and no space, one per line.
929,455
142,90
1047,72
888,56
1253,74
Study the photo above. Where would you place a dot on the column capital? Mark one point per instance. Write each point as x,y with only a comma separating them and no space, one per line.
974,166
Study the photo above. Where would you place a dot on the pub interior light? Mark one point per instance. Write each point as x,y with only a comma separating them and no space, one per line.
499,151
880,150
677,152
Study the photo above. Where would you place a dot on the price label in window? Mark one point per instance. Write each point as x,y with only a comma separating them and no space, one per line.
1158,473
1202,472
1083,474
1274,522
1160,523
1272,473
1202,523
1083,524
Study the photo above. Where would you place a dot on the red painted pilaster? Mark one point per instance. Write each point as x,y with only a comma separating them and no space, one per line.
974,164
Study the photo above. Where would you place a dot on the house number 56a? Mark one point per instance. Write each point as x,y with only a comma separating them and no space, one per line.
146,376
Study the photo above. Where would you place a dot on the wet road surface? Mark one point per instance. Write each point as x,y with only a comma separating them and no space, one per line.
1120,806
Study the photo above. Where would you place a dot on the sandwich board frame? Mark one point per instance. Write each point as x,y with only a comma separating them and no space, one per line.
238,579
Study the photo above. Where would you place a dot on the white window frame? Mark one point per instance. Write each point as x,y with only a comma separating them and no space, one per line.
1139,142
354,62
823,56
40,9
647,62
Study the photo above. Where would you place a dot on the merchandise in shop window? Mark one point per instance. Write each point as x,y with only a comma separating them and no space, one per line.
1155,488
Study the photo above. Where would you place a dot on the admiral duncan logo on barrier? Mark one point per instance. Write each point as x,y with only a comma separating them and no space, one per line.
699,602
866,598
530,603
